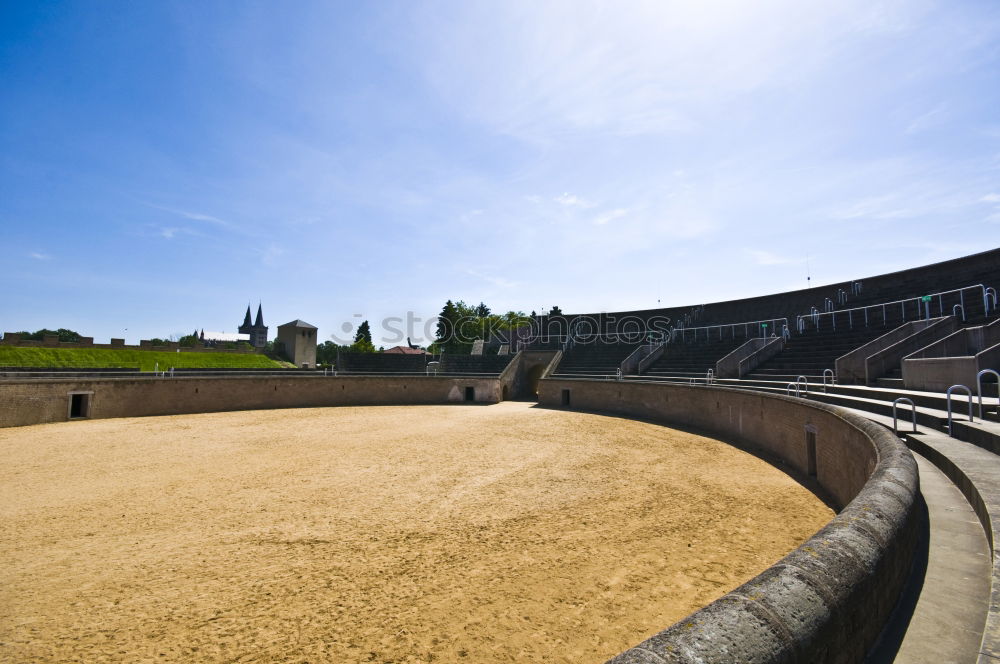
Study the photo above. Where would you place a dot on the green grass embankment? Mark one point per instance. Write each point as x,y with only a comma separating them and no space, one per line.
144,360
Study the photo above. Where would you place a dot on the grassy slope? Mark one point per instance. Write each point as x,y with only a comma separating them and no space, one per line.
13,356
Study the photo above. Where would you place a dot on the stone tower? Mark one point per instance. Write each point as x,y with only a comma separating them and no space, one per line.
257,330
299,339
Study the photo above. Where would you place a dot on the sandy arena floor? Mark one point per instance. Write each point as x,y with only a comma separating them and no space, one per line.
396,534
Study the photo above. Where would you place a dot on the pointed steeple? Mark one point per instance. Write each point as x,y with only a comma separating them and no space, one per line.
260,317
246,320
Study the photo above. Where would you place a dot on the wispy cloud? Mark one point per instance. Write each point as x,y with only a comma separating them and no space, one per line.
572,200
39,256
763,257
876,207
990,198
270,254
194,216
610,216
932,118
172,232
498,281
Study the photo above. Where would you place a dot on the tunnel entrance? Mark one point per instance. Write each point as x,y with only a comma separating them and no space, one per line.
531,378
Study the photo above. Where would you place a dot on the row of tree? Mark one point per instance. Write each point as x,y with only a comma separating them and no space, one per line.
460,324
326,352
62,333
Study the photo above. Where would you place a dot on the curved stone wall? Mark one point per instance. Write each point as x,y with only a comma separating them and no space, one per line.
36,400
826,601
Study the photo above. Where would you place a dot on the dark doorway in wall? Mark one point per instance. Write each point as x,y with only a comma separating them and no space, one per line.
79,405
531,378
470,394
565,397
811,451
505,393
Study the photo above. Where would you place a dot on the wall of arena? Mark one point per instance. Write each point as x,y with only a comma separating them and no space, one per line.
826,601
36,401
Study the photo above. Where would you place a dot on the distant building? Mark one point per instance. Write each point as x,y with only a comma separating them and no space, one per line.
211,338
299,340
257,331
405,350
408,349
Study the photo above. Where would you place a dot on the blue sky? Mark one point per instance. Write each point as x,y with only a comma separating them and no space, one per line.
162,164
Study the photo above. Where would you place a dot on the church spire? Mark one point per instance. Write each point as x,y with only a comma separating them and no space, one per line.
246,320
260,317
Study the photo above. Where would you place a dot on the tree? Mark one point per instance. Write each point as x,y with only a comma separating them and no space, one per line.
62,333
515,319
189,340
447,326
556,311
326,353
482,311
364,332
363,339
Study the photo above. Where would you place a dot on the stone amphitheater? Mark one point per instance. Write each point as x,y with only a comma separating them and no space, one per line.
878,396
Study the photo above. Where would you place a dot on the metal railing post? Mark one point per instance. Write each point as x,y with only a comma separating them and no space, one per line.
804,381
788,389
979,388
958,306
913,414
833,378
948,396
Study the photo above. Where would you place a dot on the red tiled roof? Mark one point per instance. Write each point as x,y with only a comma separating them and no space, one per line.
403,350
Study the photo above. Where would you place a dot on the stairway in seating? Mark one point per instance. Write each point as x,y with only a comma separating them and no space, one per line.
594,360
473,364
809,353
691,360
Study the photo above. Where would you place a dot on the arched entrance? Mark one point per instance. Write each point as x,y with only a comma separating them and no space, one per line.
531,378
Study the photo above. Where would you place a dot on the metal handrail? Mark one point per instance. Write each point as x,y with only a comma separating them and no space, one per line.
956,307
804,381
986,293
833,378
948,395
979,388
710,377
992,292
788,389
913,414
759,324
828,305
